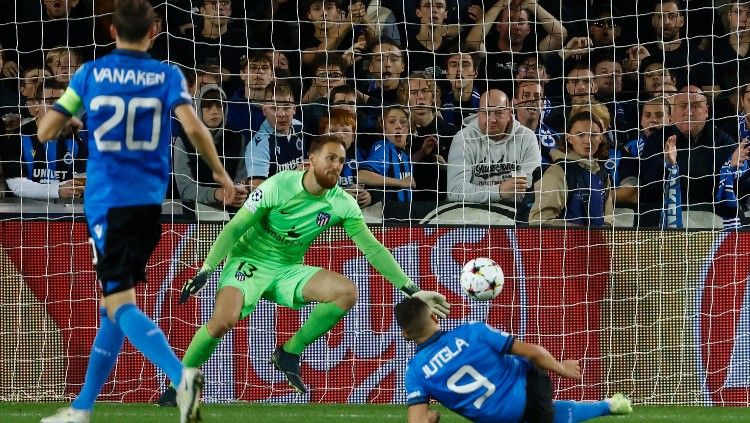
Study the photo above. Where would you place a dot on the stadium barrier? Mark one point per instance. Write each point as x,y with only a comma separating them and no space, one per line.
662,316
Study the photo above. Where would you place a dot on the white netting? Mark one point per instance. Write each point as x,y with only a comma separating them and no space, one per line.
445,170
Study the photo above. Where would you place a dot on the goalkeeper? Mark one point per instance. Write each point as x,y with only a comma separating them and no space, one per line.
264,245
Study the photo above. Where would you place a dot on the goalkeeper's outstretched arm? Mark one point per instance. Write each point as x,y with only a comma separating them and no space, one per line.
242,222
382,260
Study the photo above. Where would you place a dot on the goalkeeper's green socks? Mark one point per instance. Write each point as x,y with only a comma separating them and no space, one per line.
323,317
200,349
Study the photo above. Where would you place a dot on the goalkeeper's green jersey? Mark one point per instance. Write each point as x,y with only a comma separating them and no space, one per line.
292,218
281,219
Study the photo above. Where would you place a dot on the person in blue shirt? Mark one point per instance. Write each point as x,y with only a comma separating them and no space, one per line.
278,145
128,98
387,168
43,170
487,375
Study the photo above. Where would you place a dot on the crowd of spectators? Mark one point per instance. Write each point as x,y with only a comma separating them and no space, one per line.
558,111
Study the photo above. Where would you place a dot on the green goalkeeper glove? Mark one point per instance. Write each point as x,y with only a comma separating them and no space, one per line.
193,286
435,300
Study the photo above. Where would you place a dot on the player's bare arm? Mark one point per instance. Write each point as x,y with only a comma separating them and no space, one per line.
54,124
542,358
382,260
242,222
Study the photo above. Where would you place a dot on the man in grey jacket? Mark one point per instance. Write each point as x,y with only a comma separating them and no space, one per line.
493,158
193,176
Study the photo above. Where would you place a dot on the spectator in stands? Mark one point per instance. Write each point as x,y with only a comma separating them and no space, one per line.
278,144
331,29
528,104
209,74
329,72
534,67
40,29
44,171
580,88
624,113
580,85
216,40
681,163
283,69
462,99
431,138
245,112
493,158
680,54
9,102
731,56
385,68
734,178
63,62
575,189
387,168
343,97
513,28
30,79
366,108
657,81
427,44
604,29
738,127
655,115
343,123
279,60
608,78
194,179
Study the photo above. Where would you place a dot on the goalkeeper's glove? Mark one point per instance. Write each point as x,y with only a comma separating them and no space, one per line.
194,285
435,300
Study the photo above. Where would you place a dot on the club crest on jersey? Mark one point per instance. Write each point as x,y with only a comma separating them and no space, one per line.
323,218
239,276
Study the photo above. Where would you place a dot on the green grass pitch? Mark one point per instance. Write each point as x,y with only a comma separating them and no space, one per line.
331,413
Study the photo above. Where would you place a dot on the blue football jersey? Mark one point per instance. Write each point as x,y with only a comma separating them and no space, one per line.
471,371
127,97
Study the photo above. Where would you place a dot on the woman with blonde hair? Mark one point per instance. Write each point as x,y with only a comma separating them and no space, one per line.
575,188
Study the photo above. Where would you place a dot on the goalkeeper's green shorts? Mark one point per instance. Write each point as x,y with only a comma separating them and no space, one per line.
279,284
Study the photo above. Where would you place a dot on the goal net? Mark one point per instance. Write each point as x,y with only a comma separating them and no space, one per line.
594,151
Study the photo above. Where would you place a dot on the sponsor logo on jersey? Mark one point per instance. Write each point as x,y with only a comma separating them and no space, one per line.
323,218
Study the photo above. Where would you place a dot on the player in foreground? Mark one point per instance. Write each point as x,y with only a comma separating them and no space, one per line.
128,98
487,375
264,245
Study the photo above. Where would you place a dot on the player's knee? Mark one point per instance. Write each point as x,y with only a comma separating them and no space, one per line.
220,325
433,416
348,295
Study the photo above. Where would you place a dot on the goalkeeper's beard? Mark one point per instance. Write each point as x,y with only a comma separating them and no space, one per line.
326,179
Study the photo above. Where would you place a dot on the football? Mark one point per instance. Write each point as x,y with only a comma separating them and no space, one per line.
482,279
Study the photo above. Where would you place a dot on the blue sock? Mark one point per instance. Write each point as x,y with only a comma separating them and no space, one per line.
143,333
578,411
107,345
